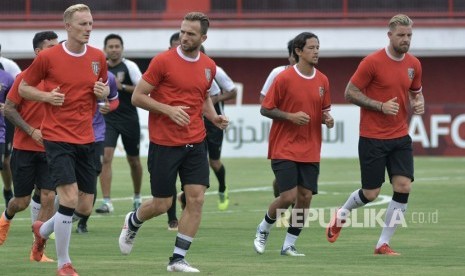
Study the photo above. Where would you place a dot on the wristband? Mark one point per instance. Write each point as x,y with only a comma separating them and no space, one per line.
32,132
382,107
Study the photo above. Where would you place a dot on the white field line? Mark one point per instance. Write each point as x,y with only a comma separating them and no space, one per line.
382,199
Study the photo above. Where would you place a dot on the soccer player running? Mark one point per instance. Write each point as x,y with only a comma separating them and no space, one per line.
174,89
78,72
123,121
298,102
28,160
385,85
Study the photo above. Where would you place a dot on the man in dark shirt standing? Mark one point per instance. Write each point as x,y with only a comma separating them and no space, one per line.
123,121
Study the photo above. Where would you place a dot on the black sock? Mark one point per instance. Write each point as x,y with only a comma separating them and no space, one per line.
134,226
83,220
294,230
77,216
220,174
172,210
36,198
66,211
269,220
8,216
400,197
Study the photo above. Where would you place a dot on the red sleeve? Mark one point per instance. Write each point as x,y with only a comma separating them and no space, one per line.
363,75
114,104
273,96
326,104
37,71
153,74
416,83
13,95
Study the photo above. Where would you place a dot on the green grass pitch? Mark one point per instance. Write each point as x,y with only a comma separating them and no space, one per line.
433,242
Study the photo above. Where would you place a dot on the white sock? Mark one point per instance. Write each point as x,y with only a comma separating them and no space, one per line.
352,202
63,228
393,212
289,240
47,228
35,209
264,226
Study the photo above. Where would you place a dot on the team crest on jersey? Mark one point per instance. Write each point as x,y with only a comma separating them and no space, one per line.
208,74
411,73
96,67
322,91
120,76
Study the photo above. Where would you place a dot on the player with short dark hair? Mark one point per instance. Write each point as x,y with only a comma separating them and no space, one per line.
123,121
298,102
385,84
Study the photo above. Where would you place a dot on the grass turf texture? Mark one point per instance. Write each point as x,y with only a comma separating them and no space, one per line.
224,243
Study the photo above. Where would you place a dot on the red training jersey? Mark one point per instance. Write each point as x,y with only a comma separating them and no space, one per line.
76,75
293,92
179,81
32,113
383,77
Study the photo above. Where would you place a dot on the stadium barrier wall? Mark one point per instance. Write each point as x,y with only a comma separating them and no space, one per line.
439,132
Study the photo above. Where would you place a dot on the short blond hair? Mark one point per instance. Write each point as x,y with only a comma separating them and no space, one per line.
400,19
202,18
68,14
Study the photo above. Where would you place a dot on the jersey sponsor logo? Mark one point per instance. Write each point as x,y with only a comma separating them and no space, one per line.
96,67
208,74
411,73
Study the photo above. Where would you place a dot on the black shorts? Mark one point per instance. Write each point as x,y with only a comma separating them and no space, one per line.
290,174
164,163
9,134
98,157
130,135
377,155
2,154
29,169
214,140
69,163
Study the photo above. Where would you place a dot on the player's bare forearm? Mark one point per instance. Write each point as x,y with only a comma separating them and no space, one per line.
15,118
354,95
31,93
209,110
274,114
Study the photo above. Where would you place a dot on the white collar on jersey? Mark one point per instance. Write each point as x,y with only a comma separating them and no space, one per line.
71,53
186,58
393,57
302,75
